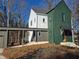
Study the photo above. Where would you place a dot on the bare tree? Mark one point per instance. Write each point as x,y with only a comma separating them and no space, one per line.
20,21
45,9
49,3
2,20
22,7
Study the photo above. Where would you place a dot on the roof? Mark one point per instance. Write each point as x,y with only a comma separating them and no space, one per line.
46,11
57,5
39,11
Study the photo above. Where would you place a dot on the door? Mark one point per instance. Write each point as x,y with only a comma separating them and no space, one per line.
1,41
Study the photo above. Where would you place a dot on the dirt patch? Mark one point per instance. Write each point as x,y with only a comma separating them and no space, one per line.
13,53
42,51
51,53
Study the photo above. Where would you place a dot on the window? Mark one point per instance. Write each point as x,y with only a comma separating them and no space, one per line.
31,22
43,20
63,17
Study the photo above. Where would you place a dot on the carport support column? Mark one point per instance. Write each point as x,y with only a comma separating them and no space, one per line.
7,37
22,36
18,36
36,35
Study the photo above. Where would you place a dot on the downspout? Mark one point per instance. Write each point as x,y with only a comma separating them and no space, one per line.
72,29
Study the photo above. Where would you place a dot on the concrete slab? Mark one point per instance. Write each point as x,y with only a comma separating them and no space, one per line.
69,44
31,43
1,50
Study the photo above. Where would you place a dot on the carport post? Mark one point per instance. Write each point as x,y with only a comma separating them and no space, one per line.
36,35
22,36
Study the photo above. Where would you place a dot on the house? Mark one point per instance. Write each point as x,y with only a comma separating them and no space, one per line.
37,20
59,23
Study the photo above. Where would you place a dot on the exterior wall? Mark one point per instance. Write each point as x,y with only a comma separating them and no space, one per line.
55,22
37,21
50,27
42,36
42,21
26,33
32,19
3,39
32,23
30,36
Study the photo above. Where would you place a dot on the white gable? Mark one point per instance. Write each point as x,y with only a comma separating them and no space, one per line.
42,21
38,20
32,19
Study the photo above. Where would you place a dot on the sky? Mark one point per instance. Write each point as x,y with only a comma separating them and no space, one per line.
24,6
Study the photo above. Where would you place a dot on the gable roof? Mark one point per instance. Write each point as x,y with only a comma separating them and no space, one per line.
39,10
46,11
62,1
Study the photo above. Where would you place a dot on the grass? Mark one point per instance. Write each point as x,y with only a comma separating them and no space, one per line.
13,53
42,51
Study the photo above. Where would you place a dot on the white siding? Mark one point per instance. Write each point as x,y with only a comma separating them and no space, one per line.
32,23
42,21
36,21
32,19
30,35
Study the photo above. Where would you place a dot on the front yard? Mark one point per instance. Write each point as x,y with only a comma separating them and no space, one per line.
41,51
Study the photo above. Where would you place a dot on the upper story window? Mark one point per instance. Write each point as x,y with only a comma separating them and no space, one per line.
63,17
43,20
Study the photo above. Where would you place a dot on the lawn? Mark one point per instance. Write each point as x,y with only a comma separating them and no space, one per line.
13,53
42,51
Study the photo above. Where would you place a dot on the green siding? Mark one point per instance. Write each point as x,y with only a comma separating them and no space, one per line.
50,32
55,21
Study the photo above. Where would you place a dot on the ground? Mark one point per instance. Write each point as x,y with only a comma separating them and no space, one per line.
41,51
